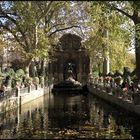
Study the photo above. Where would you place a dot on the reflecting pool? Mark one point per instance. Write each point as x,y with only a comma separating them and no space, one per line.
66,116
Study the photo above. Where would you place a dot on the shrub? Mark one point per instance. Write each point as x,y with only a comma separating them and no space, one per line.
10,72
20,73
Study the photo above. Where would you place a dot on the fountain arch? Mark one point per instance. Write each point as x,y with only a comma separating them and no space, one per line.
69,49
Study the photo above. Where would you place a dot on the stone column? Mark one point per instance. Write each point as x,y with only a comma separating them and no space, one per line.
106,66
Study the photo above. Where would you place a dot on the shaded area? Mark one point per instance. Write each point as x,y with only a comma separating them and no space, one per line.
72,111
69,116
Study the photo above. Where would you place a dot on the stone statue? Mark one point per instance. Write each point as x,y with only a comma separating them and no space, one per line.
70,70
70,66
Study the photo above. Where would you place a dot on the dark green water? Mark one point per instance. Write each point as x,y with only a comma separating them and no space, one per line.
68,116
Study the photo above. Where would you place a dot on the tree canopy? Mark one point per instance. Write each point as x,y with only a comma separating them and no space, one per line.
108,28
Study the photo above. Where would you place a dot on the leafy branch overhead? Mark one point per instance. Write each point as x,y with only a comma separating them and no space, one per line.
25,19
106,27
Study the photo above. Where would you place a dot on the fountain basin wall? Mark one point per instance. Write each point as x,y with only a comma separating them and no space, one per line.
22,97
126,105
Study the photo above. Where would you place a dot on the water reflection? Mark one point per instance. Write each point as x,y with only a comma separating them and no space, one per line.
68,111
118,123
68,116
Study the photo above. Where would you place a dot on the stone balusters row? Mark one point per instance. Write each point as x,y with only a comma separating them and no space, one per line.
19,91
116,90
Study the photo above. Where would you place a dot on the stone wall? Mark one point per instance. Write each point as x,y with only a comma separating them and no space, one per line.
22,97
126,105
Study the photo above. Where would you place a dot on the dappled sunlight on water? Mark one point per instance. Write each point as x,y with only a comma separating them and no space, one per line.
68,116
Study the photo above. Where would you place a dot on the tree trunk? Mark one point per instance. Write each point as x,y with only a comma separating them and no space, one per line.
27,66
136,20
27,71
105,52
32,70
105,66
36,36
42,70
105,60
137,51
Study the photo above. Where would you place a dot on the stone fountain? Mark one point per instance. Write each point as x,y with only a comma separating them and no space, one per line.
68,85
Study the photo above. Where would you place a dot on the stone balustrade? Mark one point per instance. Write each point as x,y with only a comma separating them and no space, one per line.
18,96
118,92
128,100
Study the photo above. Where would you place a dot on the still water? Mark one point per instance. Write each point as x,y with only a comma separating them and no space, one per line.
68,116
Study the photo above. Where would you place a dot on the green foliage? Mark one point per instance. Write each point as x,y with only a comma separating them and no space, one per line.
1,74
107,32
95,73
28,23
109,35
20,73
130,61
10,72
